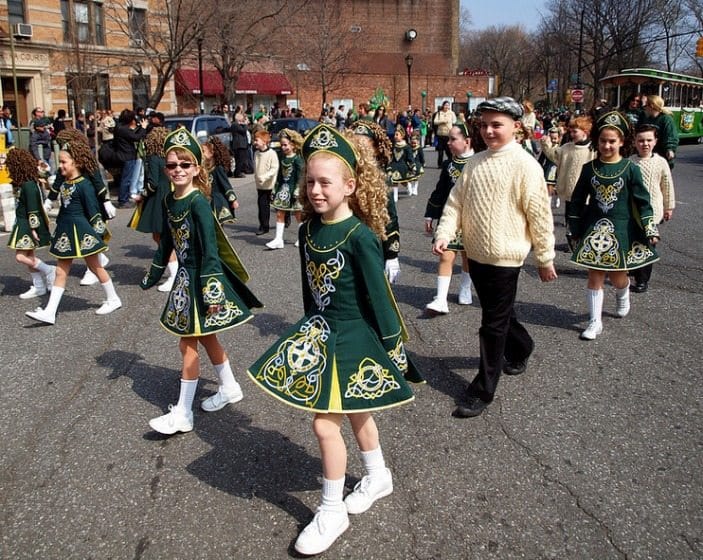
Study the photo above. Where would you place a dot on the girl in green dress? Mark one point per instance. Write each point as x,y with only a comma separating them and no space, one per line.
611,220
80,232
208,295
31,229
285,193
216,158
346,356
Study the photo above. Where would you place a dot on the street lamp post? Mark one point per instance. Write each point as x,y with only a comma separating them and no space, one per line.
200,74
469,94
409,64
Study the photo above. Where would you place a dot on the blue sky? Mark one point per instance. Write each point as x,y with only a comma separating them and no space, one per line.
485,13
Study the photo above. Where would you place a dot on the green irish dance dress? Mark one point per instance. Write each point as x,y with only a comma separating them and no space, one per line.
29,216
346,354
222,195
401,168
209,271
80,228
148,216
285,194
611,216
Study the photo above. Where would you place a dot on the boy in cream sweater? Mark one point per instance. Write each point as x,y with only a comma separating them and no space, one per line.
500,204
265,174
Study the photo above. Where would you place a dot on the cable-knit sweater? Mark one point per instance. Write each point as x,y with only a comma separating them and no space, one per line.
570,159
501,206
659,182
265,169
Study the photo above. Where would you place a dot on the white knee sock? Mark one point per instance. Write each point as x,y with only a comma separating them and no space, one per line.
54,300
395,194
332,493
42,267
187,394
110,292
38,281
443,287
465,280
595,304
102,257
280,227
373,462
225,375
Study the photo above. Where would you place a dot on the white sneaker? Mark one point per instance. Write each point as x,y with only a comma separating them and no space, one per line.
322,531
594,328
221,399
167,285
367,491
438,306
297,242
109,306
622,305
89,278
42,315
557,202
275,244
33,292
175,421
50,278
465,297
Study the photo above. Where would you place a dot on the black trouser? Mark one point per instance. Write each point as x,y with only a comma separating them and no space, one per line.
263,199
643,274
240,161
442,149
501,336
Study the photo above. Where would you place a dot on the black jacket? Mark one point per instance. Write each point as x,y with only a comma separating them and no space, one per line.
125,142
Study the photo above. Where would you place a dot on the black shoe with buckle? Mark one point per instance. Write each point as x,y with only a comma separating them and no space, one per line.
515,368
469,407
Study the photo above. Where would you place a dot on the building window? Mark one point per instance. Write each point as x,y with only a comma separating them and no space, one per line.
137,25
15,11
82,22
87,92
140,90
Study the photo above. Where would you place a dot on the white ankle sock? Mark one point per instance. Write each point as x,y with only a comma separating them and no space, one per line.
225,375
187,394
332,492
373,461
595,303
443,287
172,268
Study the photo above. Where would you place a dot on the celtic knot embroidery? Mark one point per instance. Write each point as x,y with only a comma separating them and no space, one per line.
607,195
324,140
321,277
181,235
63,245
370,381
213,292
638,254
66,193
398,357
177,314
24,242
601,247
33,221
296,367
88,242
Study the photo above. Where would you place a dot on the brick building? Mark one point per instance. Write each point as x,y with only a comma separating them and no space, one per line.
73,55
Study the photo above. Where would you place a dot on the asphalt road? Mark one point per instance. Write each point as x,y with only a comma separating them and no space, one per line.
595,452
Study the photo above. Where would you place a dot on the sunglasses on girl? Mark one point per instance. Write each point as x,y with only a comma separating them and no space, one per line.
182,165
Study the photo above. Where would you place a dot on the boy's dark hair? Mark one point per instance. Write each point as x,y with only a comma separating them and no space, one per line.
648,128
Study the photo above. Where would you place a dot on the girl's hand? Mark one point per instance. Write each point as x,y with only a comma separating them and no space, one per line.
654,240
668,214
439,246
235,204
35,235
428,225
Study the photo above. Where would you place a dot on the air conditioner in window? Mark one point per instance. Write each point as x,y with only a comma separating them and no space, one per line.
22,30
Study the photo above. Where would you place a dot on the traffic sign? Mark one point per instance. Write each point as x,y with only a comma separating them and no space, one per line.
577,95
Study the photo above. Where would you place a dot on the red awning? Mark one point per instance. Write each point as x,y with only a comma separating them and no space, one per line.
259,83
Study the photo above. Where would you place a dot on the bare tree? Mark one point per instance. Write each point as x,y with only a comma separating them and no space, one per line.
168,35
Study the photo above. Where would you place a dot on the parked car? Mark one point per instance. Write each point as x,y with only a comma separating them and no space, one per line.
300,125
202,126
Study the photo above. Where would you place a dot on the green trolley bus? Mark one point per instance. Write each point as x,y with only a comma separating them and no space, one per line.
682,94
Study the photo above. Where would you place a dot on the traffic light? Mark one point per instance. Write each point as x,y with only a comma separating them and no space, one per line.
699,47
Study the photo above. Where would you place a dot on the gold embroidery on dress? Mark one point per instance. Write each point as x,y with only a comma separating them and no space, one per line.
66,192
33,221
296,368
224,316
638,253
213,292
181,235
607,195
24,242
321,277
88,241
601,246
63,245
398,357
177,313
370,381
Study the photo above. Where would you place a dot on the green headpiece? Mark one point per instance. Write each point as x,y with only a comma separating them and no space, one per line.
181,138
362,128
614,119
324,138
464,129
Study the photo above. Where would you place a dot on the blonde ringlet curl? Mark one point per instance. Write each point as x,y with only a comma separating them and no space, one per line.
201,180
369,200
154,141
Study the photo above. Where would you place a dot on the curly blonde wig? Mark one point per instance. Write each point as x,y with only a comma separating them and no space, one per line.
22,166
369,200
82,156
201,181
381,143
295,138
154,141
